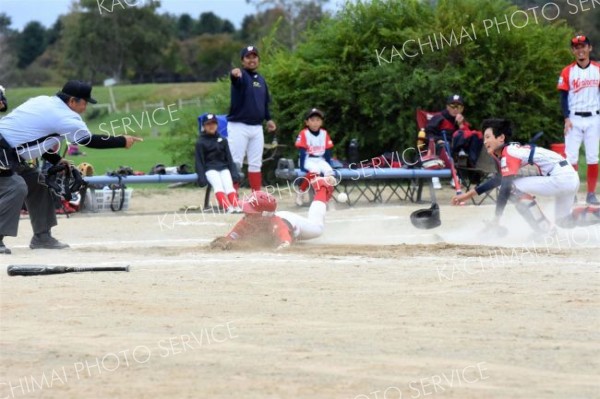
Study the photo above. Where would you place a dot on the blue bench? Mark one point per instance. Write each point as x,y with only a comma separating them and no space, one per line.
373,184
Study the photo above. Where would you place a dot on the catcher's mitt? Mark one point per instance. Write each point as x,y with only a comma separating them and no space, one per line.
64,181
222,243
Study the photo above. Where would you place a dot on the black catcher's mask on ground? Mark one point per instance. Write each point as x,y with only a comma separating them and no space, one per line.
64,181
426,218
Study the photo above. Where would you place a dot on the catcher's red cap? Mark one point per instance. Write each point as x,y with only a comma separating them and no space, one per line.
260,202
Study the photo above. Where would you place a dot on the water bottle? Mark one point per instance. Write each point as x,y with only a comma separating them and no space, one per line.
421,139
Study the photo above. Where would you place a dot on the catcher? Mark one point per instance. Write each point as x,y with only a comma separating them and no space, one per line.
262,226
557,179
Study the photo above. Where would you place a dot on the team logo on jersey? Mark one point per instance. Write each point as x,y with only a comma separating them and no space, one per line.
580,84
256,84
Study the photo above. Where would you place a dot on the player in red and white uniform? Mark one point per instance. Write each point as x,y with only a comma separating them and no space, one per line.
315,146
579,86
557,179
263,225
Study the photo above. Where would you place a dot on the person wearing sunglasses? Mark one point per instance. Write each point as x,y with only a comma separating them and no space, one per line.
463,140
579,87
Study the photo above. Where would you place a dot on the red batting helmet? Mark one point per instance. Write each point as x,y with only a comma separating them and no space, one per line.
260,202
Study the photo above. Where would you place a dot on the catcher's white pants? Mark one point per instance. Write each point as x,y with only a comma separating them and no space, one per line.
307,228
318,166
562,184
246,140
586,130
220,181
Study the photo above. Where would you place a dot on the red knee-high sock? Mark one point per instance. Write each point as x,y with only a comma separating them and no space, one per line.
592,177
306,181
255,180
233,199
222,200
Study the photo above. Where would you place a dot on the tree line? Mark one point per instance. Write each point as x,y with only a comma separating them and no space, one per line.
138,44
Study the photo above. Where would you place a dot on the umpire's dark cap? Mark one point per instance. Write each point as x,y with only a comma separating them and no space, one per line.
78,89
249,50
455,99
580,39
209,118
315,111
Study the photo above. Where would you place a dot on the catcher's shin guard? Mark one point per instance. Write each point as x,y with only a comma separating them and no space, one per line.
528,207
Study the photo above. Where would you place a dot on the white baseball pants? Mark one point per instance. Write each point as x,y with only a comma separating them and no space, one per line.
246,140
317,166
307,228
562,184
586,130
220,181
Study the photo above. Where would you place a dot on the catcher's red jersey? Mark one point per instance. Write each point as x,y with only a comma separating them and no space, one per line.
314,145
583,85
515,156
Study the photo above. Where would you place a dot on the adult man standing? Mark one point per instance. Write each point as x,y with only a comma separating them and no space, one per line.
33,130
248,109
579,86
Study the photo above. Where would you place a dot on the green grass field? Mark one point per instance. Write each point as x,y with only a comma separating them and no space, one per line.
135,95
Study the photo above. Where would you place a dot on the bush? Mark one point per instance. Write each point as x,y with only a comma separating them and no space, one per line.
511,73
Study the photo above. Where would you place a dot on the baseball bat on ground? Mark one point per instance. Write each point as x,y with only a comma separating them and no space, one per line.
36,270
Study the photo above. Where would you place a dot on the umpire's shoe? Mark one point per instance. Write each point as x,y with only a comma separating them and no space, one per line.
46,241
591,199
3,249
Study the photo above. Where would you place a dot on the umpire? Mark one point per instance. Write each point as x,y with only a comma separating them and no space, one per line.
30,131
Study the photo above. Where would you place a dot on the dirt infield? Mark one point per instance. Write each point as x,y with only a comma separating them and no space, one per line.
373,309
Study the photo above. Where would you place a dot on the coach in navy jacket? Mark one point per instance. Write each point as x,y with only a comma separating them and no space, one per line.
249,108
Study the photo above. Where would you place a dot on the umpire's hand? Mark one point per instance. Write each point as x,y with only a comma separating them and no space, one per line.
130,140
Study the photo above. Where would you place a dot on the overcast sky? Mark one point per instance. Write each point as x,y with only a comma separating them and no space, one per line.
46,11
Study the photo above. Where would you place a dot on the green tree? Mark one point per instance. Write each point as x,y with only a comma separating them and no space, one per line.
583,17
209,57
5,22
297,14
125,42
30,43
209,22
185,26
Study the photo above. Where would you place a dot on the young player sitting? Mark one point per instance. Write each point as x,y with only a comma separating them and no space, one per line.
214,165
315,147
261,225
557,179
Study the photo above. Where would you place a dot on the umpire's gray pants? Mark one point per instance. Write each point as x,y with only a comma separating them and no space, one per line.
24,186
